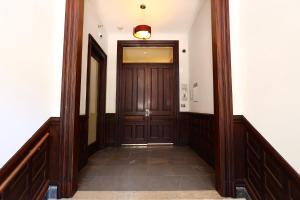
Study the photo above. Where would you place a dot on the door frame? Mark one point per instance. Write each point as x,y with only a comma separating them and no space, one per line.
94,48
146,43
70,97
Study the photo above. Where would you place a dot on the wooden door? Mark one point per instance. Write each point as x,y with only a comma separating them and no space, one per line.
133,104
161,103
91,134
147,91
147,103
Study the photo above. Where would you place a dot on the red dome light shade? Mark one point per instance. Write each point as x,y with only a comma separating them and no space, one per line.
142,32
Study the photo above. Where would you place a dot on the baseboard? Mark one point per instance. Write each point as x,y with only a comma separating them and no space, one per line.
266,173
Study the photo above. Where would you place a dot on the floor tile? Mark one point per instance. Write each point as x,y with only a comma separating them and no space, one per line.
146,173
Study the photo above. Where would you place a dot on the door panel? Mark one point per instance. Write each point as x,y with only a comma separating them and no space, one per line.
162,85
133,94
161,130
93,100
162,115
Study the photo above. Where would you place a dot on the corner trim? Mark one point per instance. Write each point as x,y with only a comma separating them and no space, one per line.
222,98
70,96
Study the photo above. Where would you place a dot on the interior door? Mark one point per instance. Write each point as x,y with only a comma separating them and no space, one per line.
147,95
93,100
148,109
133,100
161,106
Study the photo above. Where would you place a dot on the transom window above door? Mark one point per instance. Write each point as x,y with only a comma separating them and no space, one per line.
148,55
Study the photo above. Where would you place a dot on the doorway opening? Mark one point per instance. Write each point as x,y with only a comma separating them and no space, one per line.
147,92
92,138
222,97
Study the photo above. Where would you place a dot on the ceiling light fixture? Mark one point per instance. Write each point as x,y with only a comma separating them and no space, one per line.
142,31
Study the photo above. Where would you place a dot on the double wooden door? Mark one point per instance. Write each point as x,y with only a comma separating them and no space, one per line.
148,108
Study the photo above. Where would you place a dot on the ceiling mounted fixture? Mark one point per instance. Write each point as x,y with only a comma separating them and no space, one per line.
142,31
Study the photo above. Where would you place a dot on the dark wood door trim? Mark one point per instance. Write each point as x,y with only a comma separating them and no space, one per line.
94,50
146,43
71,91
85,150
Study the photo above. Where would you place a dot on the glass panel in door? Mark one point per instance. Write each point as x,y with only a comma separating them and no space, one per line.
148,55
93,101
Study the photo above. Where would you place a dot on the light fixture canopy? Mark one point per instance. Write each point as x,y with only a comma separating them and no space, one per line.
142,32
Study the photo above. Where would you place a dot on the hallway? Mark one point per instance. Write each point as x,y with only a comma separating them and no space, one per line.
156,172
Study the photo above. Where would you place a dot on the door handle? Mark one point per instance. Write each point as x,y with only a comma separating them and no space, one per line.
147,113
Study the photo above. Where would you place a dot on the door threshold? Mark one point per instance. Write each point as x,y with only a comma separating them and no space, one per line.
149,144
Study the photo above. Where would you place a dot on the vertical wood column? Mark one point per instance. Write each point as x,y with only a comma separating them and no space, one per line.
70,98
222,97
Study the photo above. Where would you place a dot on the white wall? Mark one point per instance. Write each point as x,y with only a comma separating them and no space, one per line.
112,64
30,69
201,63
266,68
91,21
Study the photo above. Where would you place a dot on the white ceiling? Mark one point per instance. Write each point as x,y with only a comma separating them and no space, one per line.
164,16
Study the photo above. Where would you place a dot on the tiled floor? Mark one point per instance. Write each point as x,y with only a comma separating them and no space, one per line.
159,172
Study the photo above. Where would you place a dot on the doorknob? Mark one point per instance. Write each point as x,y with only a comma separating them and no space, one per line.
147,112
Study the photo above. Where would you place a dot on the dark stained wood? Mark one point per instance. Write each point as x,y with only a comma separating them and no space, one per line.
240,151
83,147
224,159
133,122
110,129
39,171
21,153
54,151
32,180
19,189
267,175
95,51
70,97
85,150
184,129
147,86
202,136
92,148
161,93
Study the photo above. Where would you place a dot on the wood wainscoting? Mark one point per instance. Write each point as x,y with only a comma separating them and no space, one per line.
184,129
196,130
260,168
83,147
54,152
257,165
202,136
28,173
110,129
110,125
